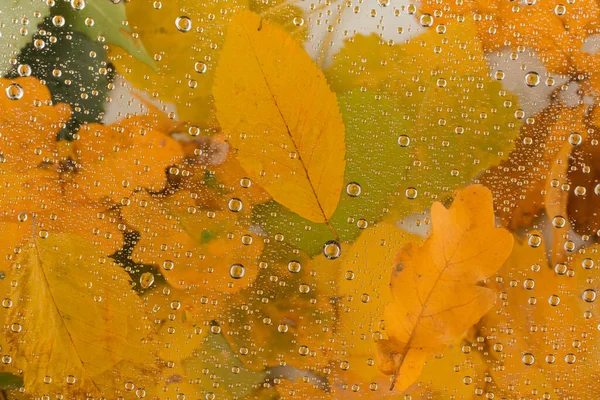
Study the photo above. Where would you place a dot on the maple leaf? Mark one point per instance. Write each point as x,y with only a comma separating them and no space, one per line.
292,146
434,286
71,318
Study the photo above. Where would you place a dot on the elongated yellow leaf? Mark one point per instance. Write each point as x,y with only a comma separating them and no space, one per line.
72,320
279,113
436,296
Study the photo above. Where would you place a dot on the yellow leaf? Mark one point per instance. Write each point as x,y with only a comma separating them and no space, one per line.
436,296
72,320
275,106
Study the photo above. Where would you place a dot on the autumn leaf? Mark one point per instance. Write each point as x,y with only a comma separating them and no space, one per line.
34,187
541,335
557,35
116,160
193,246
436,296
292,145
186,58
73,67
422,119
71,318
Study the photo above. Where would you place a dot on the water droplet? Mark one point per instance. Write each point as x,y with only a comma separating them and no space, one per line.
235,205
78,4
304,288
294,266
353,189
575,139
426,20
534,240
528,359
146,280
589,295
532,79
403,141
200,67
411,193
298,21
237,271
332,250
14,91
183,24
554,300
559,221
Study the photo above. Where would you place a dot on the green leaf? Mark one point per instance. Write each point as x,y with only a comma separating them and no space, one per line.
10,381
76,71
108,21
214,366
18,23
435,90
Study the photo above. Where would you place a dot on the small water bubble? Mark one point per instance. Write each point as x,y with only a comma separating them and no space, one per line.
589,295
247,240
554,300
200,67
245,183
303,350
235,205
403,141
426,20
14,91
237,271
534,240
332,250
294,266
580,191
575,139
304,288
183,24
560,10
532,79
559,221
146,280
78,4
298,21
528,359
168,265
24,70
353,189
411,193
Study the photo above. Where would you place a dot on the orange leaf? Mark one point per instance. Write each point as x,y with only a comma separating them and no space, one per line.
436,296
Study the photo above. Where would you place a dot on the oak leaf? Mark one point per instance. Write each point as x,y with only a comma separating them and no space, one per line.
281,117
436,296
